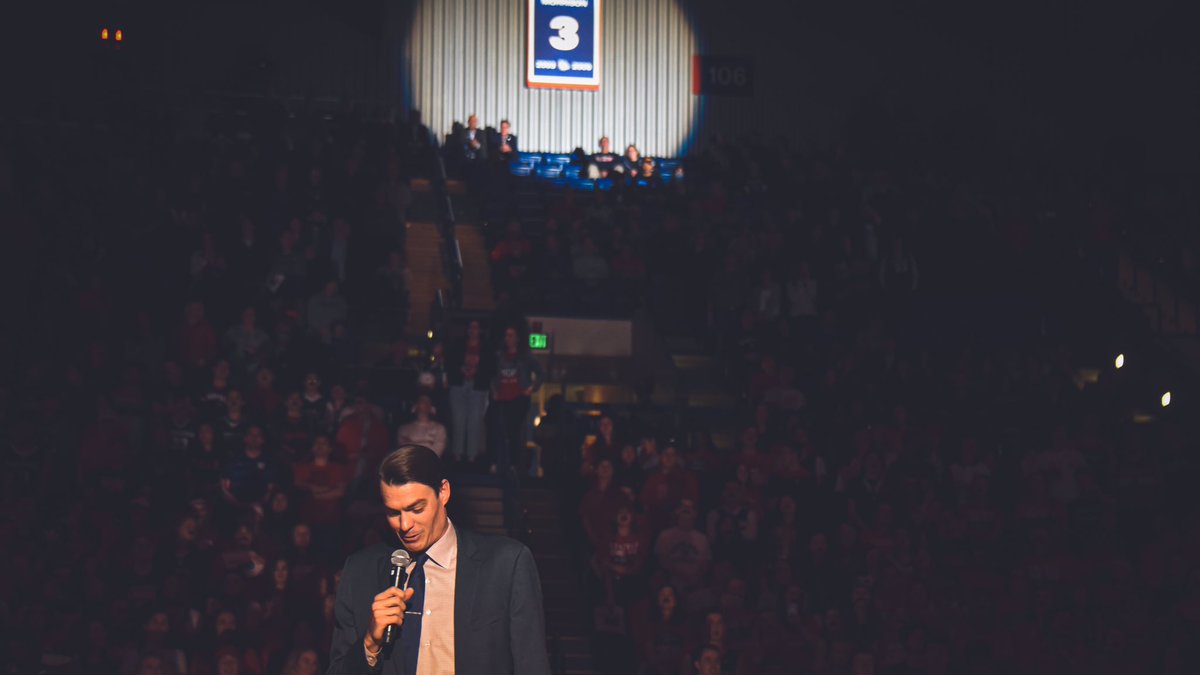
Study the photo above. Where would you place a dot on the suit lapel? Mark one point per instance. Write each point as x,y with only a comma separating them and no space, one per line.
384,568
466,582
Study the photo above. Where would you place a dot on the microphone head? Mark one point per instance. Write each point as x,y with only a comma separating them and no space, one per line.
400,558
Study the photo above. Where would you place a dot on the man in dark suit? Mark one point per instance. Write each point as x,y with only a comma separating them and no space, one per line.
473,141
504,142
472,604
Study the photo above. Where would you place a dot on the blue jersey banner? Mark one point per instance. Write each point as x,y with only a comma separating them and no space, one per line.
563,44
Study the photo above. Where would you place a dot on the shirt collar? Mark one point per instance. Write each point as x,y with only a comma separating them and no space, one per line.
444,552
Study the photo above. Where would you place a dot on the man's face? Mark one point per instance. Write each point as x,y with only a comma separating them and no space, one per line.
301,536
605,144
321,448
709,663
253,439
670,457
424,406
685,515
504,128
151,665
472,122
416,513
226,622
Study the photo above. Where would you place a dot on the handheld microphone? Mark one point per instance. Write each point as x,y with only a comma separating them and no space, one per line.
400,560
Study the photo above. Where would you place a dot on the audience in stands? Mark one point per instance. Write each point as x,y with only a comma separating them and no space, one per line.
878,500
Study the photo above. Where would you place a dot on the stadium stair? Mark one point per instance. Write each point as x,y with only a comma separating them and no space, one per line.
426,273
568,622
477,276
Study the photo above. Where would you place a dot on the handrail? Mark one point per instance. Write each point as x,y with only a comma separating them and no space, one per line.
451,258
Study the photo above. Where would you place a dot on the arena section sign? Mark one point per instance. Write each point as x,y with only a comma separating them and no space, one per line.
563,44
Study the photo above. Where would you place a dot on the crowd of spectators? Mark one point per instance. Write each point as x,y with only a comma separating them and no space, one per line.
211,359
898,494
208,360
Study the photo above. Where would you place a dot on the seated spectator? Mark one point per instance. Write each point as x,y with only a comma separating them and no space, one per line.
648,171
600,505
628,473
621,557
323,483
603,163
590,267
247,341
682,550
197,342
706,660
295,430
666,487
515,243
325,309
250,477
424,430
732,529
263,402
363,435
598,447
631,163
662,634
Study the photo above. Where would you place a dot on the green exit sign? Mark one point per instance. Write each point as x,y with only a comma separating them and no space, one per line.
538,340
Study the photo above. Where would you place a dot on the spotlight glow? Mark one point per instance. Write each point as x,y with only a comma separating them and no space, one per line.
645,94
1119,363
1166,399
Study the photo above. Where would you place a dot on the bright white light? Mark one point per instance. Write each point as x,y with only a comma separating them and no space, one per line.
645,94
1120,362
429,334
1166,399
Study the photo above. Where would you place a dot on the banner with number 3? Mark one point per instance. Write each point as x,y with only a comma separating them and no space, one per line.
563,44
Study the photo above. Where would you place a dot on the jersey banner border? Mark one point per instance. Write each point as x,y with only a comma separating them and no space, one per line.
582,81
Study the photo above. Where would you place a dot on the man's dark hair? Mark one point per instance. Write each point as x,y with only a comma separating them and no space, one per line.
412,463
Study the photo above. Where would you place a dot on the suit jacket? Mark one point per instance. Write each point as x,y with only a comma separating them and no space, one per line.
464,138
499,625
497,140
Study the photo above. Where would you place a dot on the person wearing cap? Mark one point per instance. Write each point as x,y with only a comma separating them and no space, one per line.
469,604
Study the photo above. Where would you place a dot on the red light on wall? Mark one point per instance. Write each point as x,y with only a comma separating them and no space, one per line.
119,36
103,33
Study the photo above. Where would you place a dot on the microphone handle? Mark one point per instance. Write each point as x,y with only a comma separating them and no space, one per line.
398,578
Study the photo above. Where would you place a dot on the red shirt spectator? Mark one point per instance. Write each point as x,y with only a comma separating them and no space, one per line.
197,341
666,487
324,482
600,506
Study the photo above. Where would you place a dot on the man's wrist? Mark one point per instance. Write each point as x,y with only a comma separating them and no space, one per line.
371,645
371,650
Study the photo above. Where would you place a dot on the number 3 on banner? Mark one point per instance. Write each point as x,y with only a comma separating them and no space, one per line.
568,33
